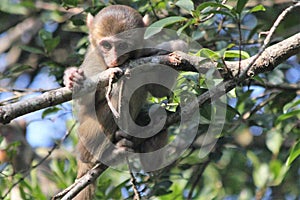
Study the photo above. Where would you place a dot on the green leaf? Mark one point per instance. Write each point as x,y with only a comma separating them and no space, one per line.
187,5
115,193
212,4
281,99
207,53
257,9
70,3
278,172
221,12
240,5
78,22
159,25
236,54
27,4
290,105
51,44
50,111
45,35
32,49
295,153
179,31
19,68
8,6
259,79
162,188
274,141
286,116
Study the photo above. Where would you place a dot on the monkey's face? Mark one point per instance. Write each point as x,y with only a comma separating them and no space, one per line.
115,51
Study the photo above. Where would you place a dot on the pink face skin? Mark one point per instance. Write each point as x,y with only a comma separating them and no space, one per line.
114,51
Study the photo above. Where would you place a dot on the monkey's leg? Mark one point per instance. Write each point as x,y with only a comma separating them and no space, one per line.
158,141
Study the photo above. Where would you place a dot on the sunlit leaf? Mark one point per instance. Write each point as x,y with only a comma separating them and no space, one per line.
236,54
212,4
32,49
274,141
279,171
261,175
258,8
8,6
187,5
295,153
159,25
207,53
50,111
290,105
286,116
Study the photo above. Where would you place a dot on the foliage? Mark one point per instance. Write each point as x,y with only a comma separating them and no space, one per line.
257,154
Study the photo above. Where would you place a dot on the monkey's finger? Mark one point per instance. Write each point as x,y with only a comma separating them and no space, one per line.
125,144
77,78
119,135
70,70
122,151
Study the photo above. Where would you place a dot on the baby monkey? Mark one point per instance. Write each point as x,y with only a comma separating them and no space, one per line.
113,40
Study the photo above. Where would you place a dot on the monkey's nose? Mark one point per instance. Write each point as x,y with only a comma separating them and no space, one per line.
114,63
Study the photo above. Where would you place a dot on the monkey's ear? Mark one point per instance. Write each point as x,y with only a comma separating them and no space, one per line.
146,20
89,20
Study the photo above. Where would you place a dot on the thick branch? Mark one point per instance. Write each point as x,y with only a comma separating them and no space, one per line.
271,57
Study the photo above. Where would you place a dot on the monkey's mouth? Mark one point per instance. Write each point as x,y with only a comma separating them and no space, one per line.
119,61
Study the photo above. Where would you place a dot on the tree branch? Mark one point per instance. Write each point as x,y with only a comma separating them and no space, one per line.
81,183
270,58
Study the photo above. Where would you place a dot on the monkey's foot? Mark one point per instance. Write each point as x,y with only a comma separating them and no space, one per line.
124,143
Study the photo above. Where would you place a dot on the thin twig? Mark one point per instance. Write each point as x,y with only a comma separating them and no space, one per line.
153,11
137,195
268,38
240,43
248,114
212,14
199,171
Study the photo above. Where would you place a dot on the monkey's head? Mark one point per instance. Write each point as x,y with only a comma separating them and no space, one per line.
114,33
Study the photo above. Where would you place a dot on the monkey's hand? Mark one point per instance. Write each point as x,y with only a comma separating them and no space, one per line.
73,76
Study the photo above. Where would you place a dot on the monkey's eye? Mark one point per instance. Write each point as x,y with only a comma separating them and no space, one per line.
123,46
106,45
